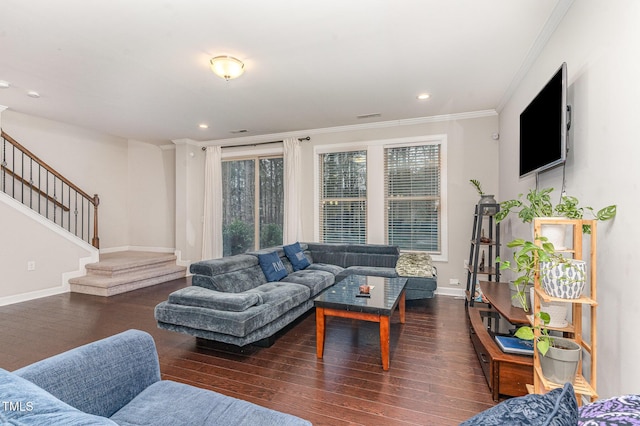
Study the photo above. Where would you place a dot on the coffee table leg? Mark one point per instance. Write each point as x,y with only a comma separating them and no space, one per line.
401,306
319,332
384,341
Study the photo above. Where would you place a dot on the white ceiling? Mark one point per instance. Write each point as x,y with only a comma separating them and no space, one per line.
139,69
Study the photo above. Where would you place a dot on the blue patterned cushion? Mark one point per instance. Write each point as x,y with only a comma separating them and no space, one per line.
295,255
555,408
620,410
272,266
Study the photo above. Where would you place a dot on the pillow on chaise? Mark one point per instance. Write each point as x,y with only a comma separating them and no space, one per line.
555,408
295,255
272,266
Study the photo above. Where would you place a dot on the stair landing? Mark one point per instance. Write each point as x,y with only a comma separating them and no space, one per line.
124,271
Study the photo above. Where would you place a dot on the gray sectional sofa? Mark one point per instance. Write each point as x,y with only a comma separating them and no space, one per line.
232,301
116,381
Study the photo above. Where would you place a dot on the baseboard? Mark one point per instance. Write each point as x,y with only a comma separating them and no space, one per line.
138,248
9,300
450,291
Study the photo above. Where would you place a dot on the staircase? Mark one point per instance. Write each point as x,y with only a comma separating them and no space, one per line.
124,271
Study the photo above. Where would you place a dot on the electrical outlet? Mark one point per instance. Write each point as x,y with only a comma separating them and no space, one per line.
465,264
454,281
31,265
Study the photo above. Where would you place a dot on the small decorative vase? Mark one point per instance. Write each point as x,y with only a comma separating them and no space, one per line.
564,280
487,199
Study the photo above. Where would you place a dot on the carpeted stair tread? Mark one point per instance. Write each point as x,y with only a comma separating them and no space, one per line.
124,271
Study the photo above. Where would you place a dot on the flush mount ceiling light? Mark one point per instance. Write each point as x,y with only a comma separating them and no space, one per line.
4,84
423,96
203,126
33,94
227,67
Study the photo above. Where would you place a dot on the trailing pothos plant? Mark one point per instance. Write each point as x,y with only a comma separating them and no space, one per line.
545,341
537,203
525,263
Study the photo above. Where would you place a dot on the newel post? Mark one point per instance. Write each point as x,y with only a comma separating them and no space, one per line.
95,241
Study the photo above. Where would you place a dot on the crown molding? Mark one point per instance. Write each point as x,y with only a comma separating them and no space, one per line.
561,9
248,140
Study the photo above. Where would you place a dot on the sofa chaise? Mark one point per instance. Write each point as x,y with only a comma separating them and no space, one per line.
248,298
116,381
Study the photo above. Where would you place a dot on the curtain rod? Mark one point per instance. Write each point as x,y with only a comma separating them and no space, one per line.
308,138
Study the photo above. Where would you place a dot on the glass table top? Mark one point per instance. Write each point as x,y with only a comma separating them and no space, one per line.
384,294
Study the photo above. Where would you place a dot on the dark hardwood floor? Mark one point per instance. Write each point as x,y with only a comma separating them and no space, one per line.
434,379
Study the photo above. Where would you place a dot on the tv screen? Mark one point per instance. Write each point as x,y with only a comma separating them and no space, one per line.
543,127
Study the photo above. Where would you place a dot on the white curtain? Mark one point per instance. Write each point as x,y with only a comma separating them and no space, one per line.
212,226
292,203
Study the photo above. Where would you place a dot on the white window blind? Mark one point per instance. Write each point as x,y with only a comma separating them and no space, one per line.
412,197
343,197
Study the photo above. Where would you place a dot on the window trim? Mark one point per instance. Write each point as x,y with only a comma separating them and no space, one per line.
376,227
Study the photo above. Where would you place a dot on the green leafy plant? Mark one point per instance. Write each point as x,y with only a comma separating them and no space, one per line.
537,203
545,341
525,263
476,184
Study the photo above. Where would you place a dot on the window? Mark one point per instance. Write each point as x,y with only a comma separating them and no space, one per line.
252,203
412,197
343,197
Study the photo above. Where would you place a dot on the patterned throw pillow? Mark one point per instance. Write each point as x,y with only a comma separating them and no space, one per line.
272,266
620,410
555,408
295,255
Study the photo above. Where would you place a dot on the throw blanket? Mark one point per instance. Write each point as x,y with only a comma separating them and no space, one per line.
414,265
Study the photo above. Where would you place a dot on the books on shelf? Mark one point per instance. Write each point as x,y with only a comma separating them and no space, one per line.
513,345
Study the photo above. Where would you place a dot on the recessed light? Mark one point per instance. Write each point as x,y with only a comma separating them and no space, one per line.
423,96
33,94
203,126
4,84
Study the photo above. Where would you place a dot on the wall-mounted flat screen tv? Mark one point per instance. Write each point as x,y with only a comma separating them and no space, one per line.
543,127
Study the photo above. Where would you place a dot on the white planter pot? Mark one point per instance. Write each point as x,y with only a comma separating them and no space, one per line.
555,234
557,312
564,280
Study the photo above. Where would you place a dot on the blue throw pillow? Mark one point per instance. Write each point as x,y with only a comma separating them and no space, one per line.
272,266
557,407
295,255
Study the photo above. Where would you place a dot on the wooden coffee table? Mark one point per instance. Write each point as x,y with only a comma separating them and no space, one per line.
340,300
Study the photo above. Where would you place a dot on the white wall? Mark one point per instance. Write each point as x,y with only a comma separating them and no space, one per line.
28,237
472,154
97,163
151,193
600,43
136,185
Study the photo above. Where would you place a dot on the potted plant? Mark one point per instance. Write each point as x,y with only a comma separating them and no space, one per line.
560,357
524,266
560,276
484,198
538,204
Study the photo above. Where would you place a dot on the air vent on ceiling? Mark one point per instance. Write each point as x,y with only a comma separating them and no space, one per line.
239,131
375,114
